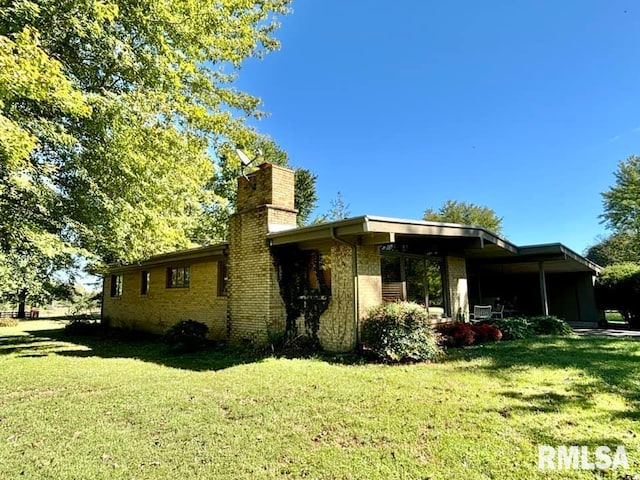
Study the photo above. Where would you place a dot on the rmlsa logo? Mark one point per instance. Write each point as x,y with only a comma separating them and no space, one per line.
581,458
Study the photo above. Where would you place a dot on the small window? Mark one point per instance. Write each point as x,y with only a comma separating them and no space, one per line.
223,277
116,285
178,277
144,282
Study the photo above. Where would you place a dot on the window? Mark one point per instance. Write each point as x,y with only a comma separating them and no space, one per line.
116,285
223,278
144,282
178,277
417,278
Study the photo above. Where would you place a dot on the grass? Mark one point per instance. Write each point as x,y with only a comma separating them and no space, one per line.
614,317
87,408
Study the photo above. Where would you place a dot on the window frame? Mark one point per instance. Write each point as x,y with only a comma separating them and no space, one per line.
116,286
145,280
181,281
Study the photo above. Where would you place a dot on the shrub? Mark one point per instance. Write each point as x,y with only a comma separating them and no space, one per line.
187,336
486,332
398,332
550,325
82,326
513,328
618,288
462,334
9,322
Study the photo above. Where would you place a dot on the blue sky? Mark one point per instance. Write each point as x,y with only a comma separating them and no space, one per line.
523,106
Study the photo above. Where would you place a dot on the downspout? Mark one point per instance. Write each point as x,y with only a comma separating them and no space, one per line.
354,270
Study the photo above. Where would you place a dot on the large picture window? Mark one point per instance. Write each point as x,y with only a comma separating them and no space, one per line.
178,277
416,278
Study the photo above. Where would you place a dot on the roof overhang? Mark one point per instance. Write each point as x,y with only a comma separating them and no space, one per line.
368,230
477,244
181,256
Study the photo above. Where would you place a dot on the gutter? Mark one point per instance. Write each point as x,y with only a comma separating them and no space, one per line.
354,271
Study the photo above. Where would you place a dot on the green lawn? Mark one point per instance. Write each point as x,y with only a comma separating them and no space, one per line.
90,409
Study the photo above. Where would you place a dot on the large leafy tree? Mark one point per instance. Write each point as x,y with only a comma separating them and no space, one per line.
108,112
622,201
616,248
467,214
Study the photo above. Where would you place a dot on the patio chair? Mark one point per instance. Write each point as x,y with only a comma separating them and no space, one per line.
497,311
481,312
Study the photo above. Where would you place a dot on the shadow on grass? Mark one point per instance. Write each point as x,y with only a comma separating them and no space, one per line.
610,365
146,348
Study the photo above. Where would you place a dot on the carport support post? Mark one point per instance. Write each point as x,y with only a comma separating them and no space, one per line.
543,289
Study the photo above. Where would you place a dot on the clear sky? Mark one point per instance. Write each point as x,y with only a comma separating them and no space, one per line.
523,106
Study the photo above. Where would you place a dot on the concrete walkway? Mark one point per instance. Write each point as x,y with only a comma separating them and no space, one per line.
609,332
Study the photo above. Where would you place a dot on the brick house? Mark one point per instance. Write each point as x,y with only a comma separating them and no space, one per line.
330,274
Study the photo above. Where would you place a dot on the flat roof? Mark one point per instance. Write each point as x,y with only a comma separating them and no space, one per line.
486,244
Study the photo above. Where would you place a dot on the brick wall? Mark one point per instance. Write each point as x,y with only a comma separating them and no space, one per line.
162,307
255,307
369,278
456,268
337,323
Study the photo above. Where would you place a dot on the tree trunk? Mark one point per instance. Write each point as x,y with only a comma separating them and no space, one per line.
22,301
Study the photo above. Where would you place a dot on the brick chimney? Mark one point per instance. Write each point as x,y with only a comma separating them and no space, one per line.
265,204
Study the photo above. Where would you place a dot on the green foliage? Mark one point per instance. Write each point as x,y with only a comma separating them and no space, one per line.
549,325
618,288
305,194
108,110
622,202
617,248
187,336
513,328
453,211
400,331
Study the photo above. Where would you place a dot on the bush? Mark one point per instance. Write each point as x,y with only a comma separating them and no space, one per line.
550,325
462,334
618,288
9,322
486,332
513,328
399,331
187,336
81,326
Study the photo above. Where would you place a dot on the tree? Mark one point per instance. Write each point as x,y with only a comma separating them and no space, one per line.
108,109
618,288
212,223
622,202
616,248
467,214
339,210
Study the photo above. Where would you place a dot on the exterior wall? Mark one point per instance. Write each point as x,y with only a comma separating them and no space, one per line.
456,271
337,324
162,307
255,307
571,297
369,278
